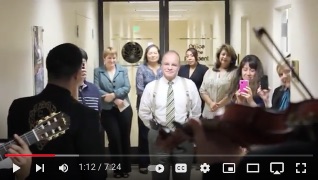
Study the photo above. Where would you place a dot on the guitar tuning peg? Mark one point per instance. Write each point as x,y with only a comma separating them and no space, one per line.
47,117
40,121
56,135
49,138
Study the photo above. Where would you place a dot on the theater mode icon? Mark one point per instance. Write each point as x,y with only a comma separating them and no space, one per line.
277,168
252,167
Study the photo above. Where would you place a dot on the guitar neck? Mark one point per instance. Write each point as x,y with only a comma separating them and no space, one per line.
29,138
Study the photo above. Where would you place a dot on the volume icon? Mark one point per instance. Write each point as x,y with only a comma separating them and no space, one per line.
63,168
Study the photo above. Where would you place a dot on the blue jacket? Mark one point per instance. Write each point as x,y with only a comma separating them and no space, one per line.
120,84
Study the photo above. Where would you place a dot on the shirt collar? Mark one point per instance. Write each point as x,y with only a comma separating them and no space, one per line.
55,89
83,86
174,80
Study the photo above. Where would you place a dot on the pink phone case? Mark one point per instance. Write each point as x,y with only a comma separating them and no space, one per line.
243,85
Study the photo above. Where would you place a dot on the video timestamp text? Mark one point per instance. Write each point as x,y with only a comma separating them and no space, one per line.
99,166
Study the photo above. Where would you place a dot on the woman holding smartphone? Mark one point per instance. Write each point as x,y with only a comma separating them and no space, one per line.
246,86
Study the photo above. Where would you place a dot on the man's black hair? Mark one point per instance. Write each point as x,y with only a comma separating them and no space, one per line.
63,61
84,54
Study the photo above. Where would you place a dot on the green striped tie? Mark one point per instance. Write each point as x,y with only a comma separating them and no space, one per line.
170,108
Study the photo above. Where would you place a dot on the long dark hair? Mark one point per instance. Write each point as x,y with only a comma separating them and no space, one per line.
194,53
231,52
254,63
147,50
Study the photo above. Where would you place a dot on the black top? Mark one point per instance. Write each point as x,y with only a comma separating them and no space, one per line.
277,97
81,138
197,75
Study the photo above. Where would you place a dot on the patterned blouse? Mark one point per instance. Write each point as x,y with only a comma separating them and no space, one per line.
216,85
144,76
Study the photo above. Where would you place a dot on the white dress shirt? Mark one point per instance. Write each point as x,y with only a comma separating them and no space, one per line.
180,101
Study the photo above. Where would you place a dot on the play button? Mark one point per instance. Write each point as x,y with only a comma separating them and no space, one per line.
15,168
160,168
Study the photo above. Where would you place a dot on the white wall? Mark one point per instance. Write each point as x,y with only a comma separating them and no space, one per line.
59,19
256,13
207,28
302,34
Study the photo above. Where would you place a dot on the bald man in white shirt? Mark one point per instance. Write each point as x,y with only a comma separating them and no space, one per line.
171,98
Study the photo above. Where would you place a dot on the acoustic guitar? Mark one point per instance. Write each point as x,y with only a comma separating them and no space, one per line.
48,128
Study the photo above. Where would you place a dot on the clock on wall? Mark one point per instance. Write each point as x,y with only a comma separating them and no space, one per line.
132,52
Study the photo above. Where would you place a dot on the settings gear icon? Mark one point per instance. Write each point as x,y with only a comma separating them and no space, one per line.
204,168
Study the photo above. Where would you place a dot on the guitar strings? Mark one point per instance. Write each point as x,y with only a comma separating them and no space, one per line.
26,135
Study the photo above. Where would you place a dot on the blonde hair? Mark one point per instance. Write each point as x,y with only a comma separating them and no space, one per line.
109,51
281,66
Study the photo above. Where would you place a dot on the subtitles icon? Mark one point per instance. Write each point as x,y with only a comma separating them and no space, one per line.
160,168
301,168
63,168
276,168
181,168
252,167
228,168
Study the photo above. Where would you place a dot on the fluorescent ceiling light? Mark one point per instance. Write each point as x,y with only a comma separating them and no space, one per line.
157,10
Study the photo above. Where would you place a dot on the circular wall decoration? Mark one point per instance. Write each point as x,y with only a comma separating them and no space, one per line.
132,52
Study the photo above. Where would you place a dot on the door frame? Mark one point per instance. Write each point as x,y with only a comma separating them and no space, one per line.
164,24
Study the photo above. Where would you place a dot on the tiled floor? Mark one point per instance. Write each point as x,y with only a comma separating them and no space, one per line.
135,175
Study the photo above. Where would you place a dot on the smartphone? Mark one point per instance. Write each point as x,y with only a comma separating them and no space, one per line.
243,84
264,82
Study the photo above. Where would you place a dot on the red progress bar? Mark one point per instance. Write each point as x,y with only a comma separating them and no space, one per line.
29,155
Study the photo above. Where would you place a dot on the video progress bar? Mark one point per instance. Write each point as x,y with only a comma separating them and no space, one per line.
182,155
158,155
